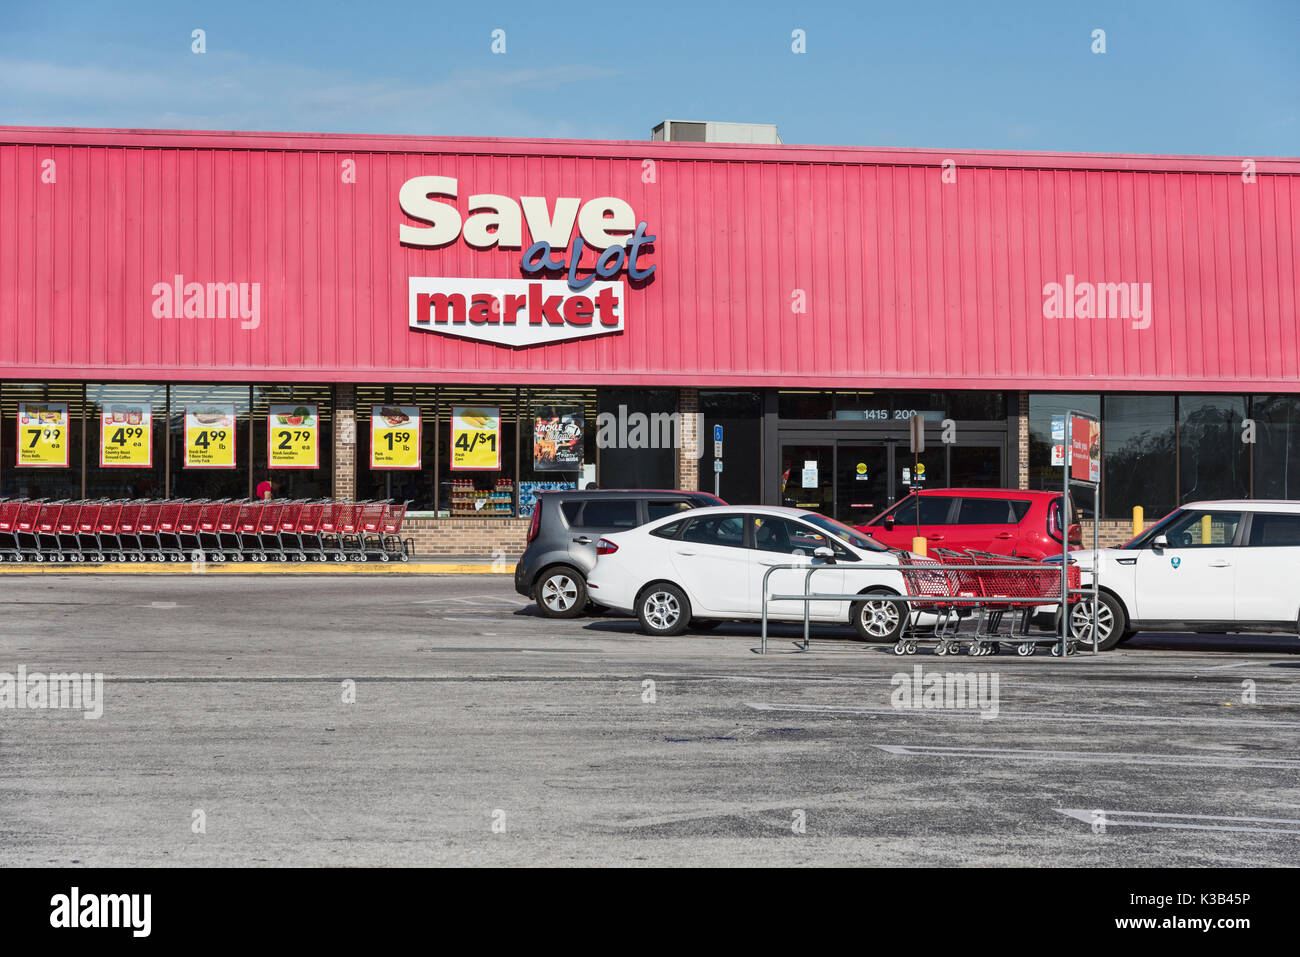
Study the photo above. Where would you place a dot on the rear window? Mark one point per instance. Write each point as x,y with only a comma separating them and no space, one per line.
663,509
599,513
571,510
716,530
1268,529
670,530
988,511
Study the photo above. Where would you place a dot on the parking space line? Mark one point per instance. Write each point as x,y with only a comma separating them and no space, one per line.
1179,821
1077,717
1087,757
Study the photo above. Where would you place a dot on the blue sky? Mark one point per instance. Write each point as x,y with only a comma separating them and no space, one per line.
1177,77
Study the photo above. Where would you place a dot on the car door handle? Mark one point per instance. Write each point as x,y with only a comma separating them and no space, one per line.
681,552
1004,535
583,540
1126,561
934,538
1220,564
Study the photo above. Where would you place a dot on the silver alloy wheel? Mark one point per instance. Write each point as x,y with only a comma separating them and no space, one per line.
1081,623
662,610
559,592
879,618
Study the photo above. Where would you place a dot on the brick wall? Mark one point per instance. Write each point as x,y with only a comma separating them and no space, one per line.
482,537
688,475
1111,532
345,442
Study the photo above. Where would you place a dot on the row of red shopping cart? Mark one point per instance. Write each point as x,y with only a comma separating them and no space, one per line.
187,530
974,594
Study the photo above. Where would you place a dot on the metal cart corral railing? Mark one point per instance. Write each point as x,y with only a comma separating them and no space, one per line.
945,603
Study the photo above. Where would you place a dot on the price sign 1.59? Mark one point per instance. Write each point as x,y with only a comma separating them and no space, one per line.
395,437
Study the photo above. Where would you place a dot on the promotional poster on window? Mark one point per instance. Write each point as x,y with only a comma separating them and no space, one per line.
557,439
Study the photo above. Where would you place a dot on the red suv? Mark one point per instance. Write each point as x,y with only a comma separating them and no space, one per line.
998,520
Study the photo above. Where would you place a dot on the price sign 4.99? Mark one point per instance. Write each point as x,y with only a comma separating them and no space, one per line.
210,437
291,437
126,436
395,437
43,434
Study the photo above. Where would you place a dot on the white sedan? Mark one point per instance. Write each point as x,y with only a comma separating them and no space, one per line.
708,566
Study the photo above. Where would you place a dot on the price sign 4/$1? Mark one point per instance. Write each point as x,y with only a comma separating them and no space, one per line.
43,434
475,438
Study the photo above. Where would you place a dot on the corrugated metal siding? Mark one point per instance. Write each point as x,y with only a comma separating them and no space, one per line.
908,280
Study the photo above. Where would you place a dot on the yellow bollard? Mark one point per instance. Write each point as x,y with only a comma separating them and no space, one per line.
918,544
1205,529
1138,524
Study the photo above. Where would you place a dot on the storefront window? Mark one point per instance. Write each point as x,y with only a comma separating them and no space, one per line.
558,435
641,451
1213,462
1042,408
805,404
863,406
303,430
400,484
1277,445
487,490
1137,440
54,443
741,416
202,420
126,440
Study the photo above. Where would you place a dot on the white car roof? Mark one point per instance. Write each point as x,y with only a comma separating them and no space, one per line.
755,510
1248,504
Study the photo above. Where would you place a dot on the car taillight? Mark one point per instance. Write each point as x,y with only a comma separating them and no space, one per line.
605,547
535,525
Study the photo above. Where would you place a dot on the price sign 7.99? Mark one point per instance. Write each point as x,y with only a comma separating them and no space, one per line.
43,434
395,437
210,437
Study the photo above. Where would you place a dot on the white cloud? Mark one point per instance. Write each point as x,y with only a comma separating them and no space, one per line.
231,91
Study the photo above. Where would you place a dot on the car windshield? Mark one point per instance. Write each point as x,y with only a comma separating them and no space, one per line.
843,532
1143,540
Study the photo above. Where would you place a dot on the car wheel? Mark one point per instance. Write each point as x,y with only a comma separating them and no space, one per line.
561,593
663,610
1111,622
879,621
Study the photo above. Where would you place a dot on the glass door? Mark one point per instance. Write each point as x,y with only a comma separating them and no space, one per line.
807,476
861,481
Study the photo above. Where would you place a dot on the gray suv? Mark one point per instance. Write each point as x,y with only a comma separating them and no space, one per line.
565,529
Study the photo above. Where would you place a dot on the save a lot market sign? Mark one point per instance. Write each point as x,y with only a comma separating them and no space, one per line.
588,301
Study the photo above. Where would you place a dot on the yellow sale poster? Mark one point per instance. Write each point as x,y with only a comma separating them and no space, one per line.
292,436
210,436
475,437
126,435
43,434
394,436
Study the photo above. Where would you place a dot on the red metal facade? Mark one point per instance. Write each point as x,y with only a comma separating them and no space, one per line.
907,280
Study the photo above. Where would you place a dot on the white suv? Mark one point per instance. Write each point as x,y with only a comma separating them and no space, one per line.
1230,566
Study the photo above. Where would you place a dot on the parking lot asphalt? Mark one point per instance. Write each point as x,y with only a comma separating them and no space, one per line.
481,734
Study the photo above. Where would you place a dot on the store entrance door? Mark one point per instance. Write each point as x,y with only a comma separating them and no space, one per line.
847,480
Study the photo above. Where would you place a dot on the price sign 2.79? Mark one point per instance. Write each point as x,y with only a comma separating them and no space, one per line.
291,437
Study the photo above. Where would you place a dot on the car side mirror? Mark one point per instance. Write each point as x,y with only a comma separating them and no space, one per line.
825,553
889,523
1160,542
